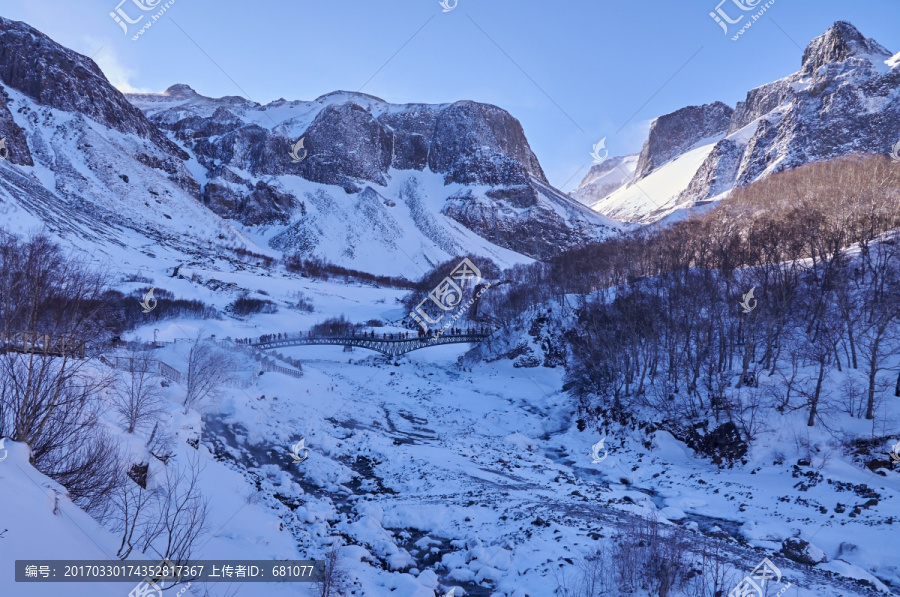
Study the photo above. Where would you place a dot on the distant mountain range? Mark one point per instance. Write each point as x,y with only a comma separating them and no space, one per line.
390,189
845,99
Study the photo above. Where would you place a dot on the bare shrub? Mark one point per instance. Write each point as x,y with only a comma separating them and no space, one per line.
301,302
334,326
166,519
160,444
650,557
593,576
710,574
335,578
247,305
746,409
208,368
137,397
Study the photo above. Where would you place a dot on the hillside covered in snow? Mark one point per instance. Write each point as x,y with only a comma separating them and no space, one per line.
847,82
395,348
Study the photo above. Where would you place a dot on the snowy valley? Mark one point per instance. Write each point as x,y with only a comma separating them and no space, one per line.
613,409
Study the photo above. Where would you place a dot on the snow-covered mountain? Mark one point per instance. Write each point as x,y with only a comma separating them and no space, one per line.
847,82
87,166
387,189
417,179
604,178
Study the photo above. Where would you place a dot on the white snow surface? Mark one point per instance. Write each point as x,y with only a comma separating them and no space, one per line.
481,466
77,191
657,193
601,180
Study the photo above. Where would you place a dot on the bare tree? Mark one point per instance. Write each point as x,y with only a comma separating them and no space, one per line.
711,575
183,513
166,519
334,578
207,369
51,313
137,397
135,508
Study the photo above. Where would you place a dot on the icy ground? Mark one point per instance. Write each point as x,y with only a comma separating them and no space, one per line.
437,477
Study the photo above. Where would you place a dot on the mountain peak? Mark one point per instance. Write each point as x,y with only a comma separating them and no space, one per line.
840,42
180,90
344,96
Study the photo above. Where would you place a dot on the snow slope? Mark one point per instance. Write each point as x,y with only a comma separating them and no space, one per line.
657,194
846,82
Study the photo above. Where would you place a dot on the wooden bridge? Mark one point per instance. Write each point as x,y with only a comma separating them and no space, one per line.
386,346
43,344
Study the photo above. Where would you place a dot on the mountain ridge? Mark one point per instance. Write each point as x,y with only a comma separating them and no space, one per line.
389,189
493,183
846,82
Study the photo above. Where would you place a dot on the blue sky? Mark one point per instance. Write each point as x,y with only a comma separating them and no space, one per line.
572,72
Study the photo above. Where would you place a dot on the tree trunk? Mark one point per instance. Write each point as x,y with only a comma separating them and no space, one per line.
815,401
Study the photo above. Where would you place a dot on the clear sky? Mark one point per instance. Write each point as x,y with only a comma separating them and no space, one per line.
572,72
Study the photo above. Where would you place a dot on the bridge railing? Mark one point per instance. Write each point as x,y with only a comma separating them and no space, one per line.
170,373
300,336
29,342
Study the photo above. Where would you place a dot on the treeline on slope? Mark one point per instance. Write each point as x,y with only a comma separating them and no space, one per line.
322,270
658,321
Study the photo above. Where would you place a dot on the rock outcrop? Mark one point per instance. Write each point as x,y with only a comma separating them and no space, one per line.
843,100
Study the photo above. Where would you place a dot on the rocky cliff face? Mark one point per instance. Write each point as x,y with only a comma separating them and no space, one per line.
840,43
54,76
843,100
391,189
88,167
492,182
675,133
13,136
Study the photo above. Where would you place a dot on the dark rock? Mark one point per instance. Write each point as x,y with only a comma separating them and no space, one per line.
722,444
15,143
802,552
675,133
138,474
346,142
55,76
